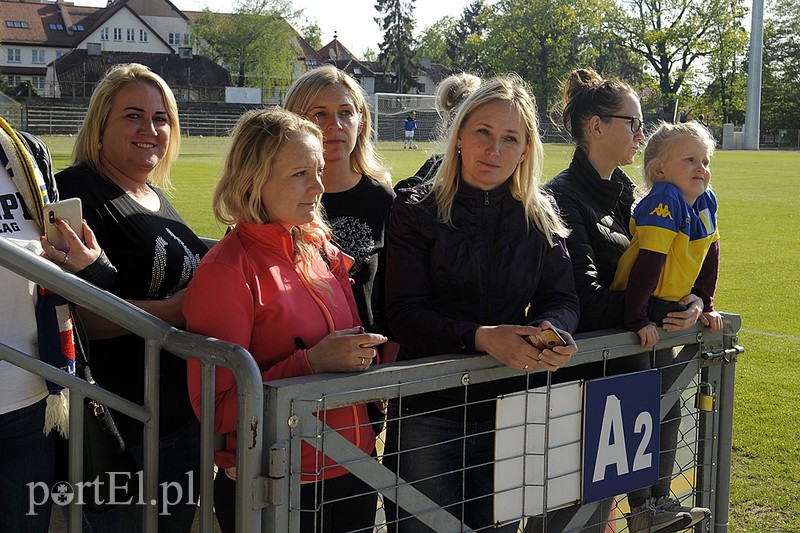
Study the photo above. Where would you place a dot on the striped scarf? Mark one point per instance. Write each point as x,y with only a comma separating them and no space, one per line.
53,316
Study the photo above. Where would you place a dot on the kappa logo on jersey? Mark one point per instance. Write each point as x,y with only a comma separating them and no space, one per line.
662,211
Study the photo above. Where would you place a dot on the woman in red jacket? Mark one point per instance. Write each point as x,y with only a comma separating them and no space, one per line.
277,286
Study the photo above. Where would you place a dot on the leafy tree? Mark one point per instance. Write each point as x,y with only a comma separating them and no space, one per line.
780,88
435,40
671,35
604,49
312,33
255,42
370,55
466,45
397,48
725,95
542,40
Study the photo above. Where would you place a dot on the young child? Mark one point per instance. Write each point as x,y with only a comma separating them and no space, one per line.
410,126
674,250
675,244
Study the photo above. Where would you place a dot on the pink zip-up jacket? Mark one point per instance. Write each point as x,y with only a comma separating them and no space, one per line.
248,292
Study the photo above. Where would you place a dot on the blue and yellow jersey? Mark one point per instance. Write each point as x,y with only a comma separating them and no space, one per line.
663,222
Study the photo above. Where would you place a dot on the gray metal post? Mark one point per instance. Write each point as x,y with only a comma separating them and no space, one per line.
752,126
725,438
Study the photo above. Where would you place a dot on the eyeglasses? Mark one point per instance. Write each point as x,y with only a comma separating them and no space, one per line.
635,122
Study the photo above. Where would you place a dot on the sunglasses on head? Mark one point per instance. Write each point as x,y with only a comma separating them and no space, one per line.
635,123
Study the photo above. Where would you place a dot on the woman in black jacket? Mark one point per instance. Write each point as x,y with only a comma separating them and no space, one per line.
475,261
595,197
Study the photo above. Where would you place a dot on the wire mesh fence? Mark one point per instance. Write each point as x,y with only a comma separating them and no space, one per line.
533,455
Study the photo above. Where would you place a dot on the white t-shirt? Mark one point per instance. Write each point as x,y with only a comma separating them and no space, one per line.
18,388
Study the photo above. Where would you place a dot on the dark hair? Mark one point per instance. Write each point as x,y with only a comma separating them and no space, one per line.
586,94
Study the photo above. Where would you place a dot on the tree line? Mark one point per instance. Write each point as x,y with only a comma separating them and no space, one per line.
687,57
684,56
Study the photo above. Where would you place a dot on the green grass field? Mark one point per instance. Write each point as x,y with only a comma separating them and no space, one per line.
759,217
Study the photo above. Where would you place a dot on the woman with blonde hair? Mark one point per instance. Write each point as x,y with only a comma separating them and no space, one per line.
476,262
277,286
358,193
120,165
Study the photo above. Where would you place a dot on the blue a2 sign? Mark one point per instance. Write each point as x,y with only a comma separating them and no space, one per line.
621,434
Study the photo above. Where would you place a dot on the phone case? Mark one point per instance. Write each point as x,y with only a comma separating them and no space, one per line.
547,338
69,211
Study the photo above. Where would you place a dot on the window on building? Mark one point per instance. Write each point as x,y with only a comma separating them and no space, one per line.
311,63
17,24
131,35
174,39
38,83
57,27
37,56
142,36
77,27
14,55
13,81
59,53
187,38
104,34
117,34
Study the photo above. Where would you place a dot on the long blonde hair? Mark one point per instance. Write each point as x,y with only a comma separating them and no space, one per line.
305,89
87,145
660,143
525,184
257,139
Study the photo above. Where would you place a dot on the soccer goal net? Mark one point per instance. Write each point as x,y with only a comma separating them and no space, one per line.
389,112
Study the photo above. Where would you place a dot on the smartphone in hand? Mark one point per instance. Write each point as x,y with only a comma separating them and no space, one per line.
547,338
69,211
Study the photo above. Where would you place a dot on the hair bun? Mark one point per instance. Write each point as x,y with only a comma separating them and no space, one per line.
589,77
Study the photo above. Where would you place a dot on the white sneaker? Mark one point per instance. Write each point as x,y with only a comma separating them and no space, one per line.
698,514
647,518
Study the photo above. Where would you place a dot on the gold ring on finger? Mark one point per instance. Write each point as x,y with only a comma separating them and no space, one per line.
525,367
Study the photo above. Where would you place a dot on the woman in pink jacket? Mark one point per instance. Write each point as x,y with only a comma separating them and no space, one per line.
277,286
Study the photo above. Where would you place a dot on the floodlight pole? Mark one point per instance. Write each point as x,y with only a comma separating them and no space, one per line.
752,113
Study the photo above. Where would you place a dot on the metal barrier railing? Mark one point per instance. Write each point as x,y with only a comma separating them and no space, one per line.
251,485
705,365
276,417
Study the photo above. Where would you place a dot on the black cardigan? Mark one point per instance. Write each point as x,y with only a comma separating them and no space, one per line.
598,212
490,267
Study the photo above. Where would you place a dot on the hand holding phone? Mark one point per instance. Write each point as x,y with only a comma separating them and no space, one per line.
69,211
547,338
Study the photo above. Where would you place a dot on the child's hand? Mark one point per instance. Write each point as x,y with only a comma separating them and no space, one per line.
648,335
712,320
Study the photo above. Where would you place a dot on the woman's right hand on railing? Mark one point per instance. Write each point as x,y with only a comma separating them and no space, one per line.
346,350
506,344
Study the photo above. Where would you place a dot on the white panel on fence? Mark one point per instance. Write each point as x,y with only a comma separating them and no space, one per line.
520,444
